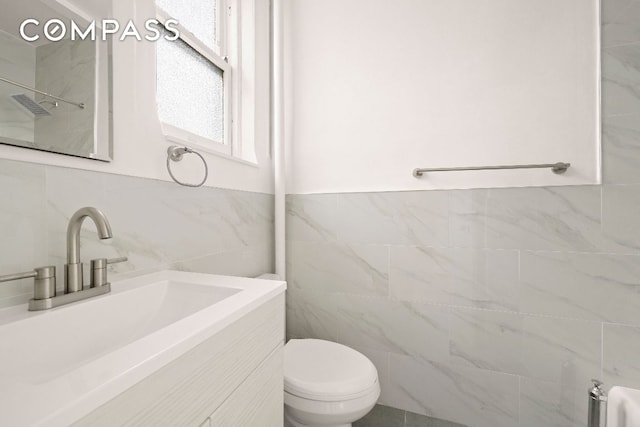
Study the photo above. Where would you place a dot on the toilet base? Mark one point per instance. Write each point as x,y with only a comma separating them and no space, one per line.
301,412
289,422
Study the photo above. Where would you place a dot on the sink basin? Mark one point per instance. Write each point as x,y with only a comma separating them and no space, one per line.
102,327
623,407
57,366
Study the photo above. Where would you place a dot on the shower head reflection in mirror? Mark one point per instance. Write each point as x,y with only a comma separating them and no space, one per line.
30,105
62,99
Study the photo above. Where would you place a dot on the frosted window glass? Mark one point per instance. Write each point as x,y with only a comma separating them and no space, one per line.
190,91
199,17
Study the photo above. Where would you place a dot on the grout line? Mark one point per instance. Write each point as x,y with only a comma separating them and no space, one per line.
468,308
519,399
602,352
519,284
337,236
485,215
633,43
602,208
388,363
630,252
632,114
448,211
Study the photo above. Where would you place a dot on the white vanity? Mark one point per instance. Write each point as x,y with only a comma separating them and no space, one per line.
169,348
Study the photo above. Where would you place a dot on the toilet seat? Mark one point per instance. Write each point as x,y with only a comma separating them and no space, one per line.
326,371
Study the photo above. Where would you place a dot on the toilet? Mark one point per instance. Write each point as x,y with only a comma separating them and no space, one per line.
326,384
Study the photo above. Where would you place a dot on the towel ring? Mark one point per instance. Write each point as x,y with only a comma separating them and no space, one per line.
175,153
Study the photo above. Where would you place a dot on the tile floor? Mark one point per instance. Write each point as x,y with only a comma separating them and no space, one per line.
385,416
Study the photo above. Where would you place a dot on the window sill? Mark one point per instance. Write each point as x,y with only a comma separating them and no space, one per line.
229,157
199,147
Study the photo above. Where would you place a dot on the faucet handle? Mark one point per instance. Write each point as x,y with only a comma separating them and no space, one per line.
99,270
18,276
44,285
117,260
103,262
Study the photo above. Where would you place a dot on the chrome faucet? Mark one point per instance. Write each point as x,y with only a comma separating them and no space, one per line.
73,275
44,287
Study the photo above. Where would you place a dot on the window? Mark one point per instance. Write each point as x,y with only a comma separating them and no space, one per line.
193,75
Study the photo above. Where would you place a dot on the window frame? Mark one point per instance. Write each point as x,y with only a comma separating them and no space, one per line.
220,59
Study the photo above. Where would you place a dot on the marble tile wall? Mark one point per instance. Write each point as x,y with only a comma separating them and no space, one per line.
498,318
469,320
156,224
488,307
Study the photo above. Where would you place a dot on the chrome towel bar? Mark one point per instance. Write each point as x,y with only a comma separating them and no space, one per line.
558,168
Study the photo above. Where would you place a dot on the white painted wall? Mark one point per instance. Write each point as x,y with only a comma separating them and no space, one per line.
377,88
139,147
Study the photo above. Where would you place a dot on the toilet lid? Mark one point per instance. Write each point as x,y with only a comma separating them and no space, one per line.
324,370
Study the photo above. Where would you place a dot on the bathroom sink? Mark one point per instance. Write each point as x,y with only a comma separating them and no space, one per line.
58,365
97,329
623,407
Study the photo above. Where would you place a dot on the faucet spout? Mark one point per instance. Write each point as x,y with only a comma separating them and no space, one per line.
73,231
73,282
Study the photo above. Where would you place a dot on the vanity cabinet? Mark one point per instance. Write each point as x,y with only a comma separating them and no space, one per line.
234,378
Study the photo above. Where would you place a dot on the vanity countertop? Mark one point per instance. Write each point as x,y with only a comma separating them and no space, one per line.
57,366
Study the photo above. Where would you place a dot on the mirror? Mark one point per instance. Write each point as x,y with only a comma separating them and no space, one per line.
54,95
